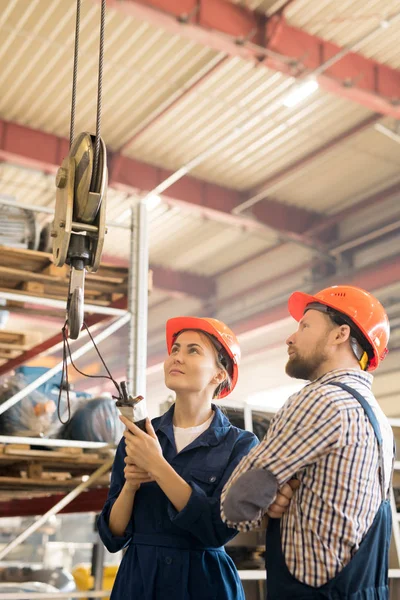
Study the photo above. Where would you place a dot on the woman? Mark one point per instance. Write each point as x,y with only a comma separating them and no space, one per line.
164,498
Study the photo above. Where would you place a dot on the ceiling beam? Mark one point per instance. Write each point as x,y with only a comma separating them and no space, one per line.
289,171
326,230
33,148
355,77
373,277
237,31
178,284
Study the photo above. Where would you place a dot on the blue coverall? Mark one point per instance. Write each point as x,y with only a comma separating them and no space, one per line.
179,555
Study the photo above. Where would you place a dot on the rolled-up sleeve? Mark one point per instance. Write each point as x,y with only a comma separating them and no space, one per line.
201,516
112,542
308,427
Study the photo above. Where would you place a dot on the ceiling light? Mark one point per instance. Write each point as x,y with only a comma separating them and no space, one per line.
300,92
152,200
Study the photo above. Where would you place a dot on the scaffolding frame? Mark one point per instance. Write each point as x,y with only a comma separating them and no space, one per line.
136,317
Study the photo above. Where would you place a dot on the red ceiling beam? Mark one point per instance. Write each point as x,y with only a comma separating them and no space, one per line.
199,20
355,77
175,283
30,147
132,174
183,283
326,229
373,277
372,200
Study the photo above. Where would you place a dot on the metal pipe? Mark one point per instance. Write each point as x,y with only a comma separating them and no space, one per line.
289,172
98,553
248,417
395,524
94,308
388,132
115,326
366,238
8,201
353,46
53,443
56,508
138,299
84,227
132,308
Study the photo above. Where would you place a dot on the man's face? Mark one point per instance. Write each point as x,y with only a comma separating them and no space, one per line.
308,347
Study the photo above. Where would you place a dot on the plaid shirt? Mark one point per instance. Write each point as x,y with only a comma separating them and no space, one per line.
323,437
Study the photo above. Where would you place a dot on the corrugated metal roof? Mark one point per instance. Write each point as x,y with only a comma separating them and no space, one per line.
238,116
347,21
186,241
143,67
29,186
360,166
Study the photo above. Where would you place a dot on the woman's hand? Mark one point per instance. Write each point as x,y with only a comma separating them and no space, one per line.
134,476
143,449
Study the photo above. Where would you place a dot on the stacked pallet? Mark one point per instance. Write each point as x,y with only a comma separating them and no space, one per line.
61,469
34,274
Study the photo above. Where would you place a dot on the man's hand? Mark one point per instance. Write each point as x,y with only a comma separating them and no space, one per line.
283,499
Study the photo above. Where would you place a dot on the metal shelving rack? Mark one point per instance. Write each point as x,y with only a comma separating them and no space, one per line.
135,316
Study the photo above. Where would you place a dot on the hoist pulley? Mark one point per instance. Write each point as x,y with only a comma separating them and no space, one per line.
79,221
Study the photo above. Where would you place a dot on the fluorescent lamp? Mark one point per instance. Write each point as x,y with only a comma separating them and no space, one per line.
300,92
152,200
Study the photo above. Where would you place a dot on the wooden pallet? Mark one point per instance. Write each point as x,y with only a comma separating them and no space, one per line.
26,468
30,273
33,273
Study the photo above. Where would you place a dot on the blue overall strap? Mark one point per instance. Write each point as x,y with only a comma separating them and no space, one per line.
375,425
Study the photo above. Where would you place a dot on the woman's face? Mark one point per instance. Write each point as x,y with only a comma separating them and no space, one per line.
192,367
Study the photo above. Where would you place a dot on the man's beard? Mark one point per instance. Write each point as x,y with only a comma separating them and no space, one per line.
306,368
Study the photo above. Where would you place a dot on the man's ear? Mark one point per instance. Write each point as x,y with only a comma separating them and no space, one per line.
342,334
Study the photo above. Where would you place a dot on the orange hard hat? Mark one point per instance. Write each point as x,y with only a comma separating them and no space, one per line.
361,307
216,329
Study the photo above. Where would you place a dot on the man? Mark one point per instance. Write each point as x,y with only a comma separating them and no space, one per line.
333,541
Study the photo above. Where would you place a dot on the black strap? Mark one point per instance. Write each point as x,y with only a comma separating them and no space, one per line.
375,425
